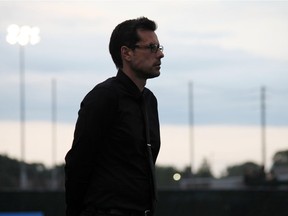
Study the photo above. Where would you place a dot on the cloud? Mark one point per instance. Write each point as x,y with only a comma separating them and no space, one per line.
225,48
259,28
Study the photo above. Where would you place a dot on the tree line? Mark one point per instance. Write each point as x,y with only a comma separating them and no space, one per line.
40,177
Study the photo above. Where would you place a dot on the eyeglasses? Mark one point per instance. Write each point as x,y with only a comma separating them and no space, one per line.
153,47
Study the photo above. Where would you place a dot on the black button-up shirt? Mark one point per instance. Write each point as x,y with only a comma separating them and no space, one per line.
107,166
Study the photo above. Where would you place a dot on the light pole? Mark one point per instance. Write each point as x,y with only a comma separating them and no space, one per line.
54,134
263,125
22,35
191,126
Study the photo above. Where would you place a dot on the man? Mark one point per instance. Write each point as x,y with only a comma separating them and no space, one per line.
109,169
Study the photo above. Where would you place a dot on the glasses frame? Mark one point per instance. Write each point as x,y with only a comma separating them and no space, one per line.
153,47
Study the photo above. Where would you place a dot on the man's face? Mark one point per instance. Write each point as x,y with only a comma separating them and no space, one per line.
146,63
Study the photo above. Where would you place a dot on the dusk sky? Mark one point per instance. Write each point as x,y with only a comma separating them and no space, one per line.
227,49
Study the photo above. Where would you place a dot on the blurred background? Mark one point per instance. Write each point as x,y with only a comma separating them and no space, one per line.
222,92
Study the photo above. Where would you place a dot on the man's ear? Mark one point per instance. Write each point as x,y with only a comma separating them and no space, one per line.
126,53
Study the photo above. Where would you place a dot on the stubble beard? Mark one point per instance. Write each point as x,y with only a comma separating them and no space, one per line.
146,74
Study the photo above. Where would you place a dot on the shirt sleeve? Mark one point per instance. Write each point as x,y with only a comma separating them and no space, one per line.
96,113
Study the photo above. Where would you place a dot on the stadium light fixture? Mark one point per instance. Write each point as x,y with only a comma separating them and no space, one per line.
22,35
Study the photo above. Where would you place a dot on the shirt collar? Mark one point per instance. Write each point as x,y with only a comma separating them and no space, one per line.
131,87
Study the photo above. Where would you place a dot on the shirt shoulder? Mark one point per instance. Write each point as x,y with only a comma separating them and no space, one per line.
104,91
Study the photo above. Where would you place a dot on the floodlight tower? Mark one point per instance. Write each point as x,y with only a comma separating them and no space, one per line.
22,35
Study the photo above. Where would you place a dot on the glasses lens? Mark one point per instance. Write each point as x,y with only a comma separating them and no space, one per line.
154,48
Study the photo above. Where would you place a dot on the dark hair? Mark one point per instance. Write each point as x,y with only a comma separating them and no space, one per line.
125,34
